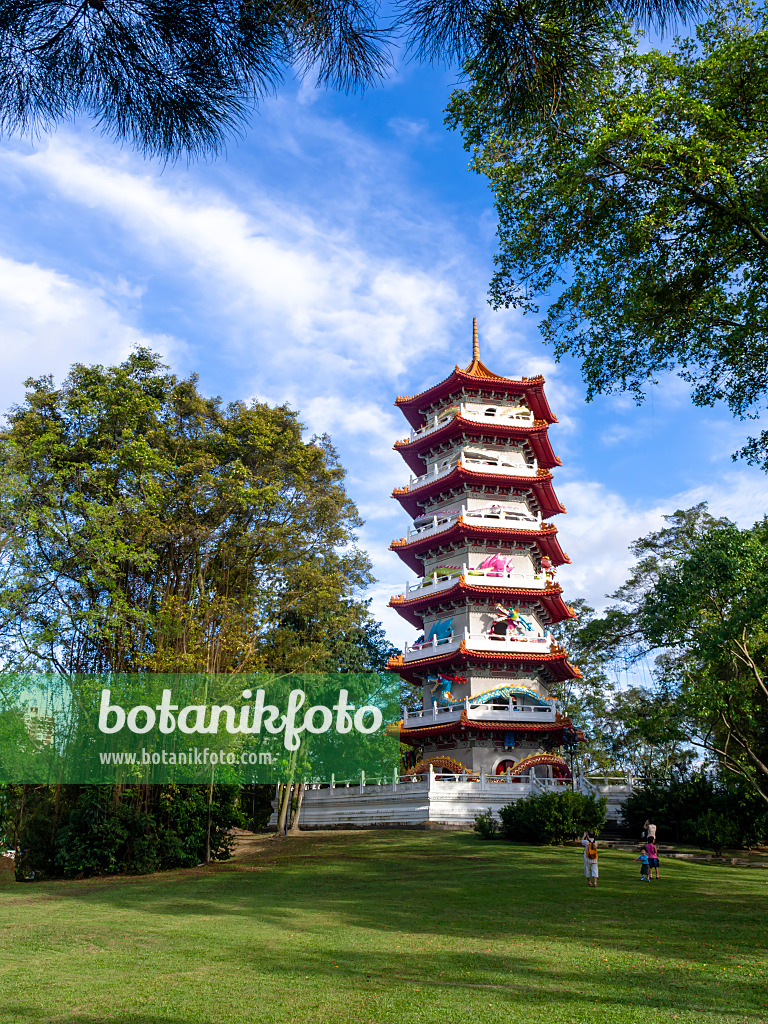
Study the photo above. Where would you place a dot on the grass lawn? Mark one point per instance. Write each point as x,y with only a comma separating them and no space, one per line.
405,927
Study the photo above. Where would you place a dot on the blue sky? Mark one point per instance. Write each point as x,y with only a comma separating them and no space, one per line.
333,259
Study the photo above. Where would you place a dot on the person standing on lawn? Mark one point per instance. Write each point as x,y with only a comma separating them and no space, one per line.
650,831
644,868
653,858
589,842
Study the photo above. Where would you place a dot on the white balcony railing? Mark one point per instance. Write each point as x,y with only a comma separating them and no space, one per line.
508,711
475,463
479,642
492,515
497,414
477,578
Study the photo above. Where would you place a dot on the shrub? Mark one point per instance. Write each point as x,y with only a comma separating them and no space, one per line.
713,830
551,818
92,830
676,805
486,826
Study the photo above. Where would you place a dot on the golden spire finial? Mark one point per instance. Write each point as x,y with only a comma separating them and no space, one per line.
476,368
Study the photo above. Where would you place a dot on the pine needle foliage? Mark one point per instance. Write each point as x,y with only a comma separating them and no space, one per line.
180,77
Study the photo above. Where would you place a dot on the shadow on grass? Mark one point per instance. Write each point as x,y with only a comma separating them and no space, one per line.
445,889
20,1013
524,981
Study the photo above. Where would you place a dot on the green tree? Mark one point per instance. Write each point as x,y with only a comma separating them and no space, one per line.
145,527
697,600
585,700
643,203
626,727
180,77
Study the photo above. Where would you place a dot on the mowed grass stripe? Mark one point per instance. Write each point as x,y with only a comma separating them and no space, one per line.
390,926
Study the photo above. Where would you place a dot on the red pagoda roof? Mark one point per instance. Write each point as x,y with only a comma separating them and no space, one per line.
546,538
551,598
556,663
541,485
422,732
535,433
478,377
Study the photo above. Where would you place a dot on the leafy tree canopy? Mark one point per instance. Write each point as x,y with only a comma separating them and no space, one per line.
179,77
644,202
144,526
626,728
697,600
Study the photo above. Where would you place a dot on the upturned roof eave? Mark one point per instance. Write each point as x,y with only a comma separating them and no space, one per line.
531,387
546,540
413,610
541,485
557,665
537,436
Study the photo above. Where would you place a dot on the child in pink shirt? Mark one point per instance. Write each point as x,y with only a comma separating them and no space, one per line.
653,858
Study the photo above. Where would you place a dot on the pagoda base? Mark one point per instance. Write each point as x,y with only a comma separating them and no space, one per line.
432,802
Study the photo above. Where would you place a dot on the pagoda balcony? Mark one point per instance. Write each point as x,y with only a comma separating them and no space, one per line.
506,711
479,642
477,465
480,414
478,578
494,515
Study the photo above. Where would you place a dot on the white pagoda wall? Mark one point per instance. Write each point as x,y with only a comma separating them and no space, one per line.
478,621
473,556
485,755
520,503
430,802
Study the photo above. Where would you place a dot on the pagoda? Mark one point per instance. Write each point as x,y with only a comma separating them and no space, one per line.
480,495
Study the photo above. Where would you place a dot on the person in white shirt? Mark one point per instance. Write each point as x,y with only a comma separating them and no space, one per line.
589,843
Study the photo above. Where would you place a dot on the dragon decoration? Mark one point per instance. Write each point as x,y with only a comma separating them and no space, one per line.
443,684
560,768
446,763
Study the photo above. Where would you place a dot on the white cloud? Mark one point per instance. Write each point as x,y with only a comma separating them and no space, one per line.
50,321
336,305
600,525
407,129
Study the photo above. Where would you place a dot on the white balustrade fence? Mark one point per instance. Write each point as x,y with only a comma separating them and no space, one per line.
493,515
508,711
516,643
478,577
478,413
478,465
432,800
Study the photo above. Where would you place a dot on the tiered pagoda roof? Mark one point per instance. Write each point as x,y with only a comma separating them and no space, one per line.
478,379
464,529
550,599
555,662
491,500
465,722
414,499
535,432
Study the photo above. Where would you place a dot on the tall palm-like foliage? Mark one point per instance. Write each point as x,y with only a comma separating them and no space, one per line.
178,77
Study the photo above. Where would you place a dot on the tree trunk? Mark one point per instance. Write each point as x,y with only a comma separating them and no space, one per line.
287,796
208,827
294,829
17,828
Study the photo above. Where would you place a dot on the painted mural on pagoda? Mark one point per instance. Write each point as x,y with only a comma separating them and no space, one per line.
480,496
